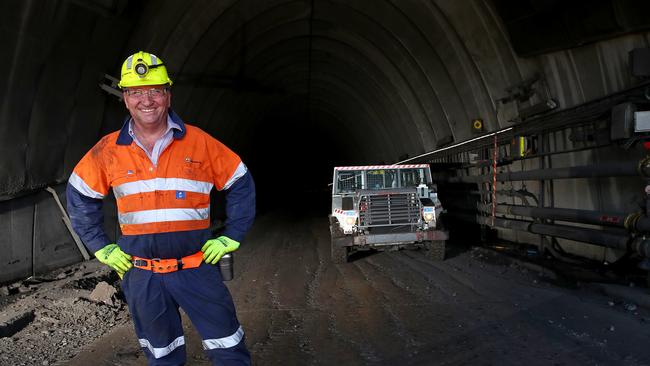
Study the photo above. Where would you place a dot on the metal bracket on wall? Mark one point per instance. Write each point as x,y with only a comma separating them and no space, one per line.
524,92
68,224
109,85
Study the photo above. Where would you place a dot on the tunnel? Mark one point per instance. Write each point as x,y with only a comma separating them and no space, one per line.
533,116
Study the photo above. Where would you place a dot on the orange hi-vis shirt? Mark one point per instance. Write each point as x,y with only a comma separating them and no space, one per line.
173,195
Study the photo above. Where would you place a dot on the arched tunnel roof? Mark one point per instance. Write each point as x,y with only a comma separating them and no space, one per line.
314,83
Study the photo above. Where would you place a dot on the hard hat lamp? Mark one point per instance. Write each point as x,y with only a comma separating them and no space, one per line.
141,68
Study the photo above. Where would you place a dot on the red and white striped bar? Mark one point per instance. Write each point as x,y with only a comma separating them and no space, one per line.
367,167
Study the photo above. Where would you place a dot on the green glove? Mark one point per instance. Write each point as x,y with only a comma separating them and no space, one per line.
112,256
214,249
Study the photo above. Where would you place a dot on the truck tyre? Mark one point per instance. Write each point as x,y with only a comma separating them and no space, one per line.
339,253
335,229
435,250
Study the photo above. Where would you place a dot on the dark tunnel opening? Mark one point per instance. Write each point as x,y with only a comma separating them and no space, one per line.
292,159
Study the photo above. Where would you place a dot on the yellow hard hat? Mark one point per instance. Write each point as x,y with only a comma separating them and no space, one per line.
143,68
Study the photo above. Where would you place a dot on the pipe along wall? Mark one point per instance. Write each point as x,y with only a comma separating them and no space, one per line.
622,231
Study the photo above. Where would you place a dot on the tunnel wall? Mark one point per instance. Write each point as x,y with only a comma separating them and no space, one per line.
573,77
35,239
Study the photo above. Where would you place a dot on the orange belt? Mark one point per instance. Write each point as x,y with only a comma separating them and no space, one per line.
158,265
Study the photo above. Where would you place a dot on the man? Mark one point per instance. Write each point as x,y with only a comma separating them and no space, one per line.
161,171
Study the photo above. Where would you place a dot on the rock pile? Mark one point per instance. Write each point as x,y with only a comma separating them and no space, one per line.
49,322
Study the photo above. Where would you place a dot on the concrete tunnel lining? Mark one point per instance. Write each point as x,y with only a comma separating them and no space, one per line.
364,124
277,49
361,132
426,140
245,27
365,77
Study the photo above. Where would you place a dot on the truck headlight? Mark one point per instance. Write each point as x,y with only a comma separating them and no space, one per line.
428,217
350,220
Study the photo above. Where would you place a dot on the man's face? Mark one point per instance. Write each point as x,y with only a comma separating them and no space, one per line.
148,104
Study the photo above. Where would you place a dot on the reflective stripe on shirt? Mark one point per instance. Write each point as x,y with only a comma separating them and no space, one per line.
164,215
162,184
82,187
241,170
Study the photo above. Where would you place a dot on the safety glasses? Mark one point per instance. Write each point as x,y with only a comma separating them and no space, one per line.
154,93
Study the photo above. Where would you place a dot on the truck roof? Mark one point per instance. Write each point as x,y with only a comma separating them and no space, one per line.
394,166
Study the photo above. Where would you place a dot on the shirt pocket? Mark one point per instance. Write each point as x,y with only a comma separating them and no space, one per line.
192,168
122,176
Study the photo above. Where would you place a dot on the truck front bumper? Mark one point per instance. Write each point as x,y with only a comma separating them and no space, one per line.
400,238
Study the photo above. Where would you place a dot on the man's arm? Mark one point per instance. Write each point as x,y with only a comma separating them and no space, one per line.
87,219
240,207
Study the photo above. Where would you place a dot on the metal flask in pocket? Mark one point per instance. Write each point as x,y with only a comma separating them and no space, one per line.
226,266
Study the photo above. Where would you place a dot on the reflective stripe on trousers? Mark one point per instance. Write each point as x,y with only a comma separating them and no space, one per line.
225,342
163,351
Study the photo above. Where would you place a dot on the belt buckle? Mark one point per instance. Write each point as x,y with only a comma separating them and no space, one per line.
140,263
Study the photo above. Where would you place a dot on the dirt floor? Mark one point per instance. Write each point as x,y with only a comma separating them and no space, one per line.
477,307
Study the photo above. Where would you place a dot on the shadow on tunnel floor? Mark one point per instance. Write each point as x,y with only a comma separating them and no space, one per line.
568,271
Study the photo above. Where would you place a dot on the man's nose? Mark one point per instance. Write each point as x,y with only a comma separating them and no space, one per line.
147,98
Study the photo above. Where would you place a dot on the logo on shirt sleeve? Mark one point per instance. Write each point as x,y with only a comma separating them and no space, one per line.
180,195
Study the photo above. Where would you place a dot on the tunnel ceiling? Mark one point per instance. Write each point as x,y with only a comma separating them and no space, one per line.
318,82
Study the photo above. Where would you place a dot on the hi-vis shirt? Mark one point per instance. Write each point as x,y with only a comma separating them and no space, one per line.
163,210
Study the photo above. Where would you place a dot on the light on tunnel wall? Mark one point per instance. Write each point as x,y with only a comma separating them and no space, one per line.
477,125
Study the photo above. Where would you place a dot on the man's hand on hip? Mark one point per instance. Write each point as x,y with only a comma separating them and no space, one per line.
112,256
214,249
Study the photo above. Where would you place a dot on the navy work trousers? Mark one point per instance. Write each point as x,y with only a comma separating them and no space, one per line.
154,300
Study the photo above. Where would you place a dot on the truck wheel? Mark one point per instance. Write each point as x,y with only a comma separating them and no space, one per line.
435,250
339,253
335,229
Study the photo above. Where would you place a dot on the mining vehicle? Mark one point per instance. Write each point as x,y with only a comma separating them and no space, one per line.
385,207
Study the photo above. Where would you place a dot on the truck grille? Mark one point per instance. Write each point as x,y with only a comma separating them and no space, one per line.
389,209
